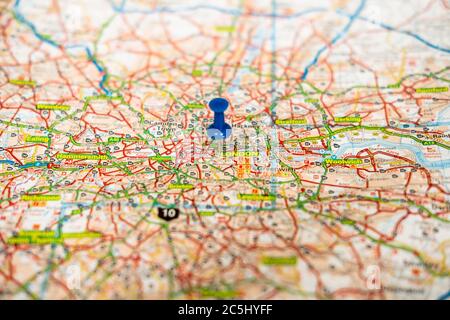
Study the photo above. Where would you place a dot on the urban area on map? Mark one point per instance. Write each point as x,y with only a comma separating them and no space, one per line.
332,182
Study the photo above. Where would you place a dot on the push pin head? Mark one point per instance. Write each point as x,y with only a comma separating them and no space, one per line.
218,104
219,129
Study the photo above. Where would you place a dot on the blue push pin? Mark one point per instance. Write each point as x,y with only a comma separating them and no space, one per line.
219,129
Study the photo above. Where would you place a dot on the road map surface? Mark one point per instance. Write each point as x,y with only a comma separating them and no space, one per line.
333,184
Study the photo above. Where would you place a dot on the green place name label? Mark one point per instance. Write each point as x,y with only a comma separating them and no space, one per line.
206,213
81,156
35,237
181,186
40,197
283,261
161,158
432,90
348,222
221,294
114,139
46,36
17,240
42,106
38,241
79,235
118,139
42,139
241,154
104,97
347,119
393,86
197,73
257,197
225,28
310,100
8,173
48,237
37,233
343,161
75,212
195,106
290,121
19,82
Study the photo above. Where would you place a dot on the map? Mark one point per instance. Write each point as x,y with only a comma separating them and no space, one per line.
332,181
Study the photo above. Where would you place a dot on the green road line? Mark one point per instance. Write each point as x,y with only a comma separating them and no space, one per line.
360,127
72,140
